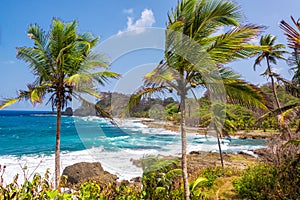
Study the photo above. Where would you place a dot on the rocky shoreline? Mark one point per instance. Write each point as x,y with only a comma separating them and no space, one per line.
197,161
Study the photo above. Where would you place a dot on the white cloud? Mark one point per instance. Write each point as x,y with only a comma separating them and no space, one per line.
146,19
128,11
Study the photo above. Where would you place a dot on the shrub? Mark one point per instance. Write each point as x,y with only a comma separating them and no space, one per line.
256,183
277,179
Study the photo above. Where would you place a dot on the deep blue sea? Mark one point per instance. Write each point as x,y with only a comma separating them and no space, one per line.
28,138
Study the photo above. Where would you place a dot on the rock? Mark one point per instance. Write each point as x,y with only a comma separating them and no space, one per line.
243,153
68,112
84,171
194,153
243,137
136,179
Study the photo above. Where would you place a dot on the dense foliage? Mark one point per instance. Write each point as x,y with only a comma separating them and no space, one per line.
268,181
199,112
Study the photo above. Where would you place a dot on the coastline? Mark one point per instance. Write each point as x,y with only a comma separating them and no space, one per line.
255,134
119,162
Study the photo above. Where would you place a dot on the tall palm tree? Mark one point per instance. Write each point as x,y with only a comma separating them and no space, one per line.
293,86
271,53
61,61
293,37
193,53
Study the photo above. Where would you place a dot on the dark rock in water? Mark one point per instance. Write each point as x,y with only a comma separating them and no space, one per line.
84,171
68,112
195,153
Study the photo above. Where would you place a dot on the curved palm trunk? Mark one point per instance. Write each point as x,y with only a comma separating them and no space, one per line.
288,136
183,137
57,147
219,145
183,148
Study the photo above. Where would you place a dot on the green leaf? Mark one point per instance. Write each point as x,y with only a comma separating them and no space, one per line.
7,102
197,182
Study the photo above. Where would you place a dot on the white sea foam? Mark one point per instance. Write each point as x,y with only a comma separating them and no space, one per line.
119,161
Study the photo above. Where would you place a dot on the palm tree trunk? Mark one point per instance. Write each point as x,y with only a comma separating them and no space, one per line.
57,146
219,145
288,136
183,147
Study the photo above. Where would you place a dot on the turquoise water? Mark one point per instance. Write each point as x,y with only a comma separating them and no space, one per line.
33,132
28,137
27,132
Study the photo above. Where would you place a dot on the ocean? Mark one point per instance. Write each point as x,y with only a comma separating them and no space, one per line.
27,143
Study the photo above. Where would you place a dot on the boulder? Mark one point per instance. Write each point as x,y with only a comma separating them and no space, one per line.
85,171
68,112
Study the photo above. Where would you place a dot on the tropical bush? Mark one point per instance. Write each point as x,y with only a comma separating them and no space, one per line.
38,188
277,179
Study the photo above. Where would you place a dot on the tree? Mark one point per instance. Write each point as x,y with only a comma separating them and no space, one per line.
271,53
194,55
293,37
293,86
61,61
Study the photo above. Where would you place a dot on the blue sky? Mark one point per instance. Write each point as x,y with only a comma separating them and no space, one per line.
108,18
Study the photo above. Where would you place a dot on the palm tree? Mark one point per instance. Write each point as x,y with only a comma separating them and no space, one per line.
60,61
271,53
194,55
293,37
293,86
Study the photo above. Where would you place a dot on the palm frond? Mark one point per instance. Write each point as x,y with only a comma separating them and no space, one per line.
162,75
37,93
290,87
38,60
38,36
282,110
7,102
88,90
293,35
94,61
241,92
79,80
104,76
234,44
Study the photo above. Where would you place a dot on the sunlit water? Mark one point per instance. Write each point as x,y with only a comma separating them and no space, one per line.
27,138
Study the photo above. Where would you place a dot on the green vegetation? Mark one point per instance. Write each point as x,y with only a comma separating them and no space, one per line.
61,61
270,181
192,52
278,178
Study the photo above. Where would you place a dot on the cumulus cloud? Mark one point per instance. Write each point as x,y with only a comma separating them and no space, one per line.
146,19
